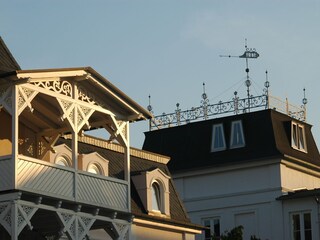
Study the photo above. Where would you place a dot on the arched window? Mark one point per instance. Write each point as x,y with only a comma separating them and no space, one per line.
62,161
94,168
156,197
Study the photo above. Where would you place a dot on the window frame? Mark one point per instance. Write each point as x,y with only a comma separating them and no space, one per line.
298,137
233,132
212,227
302,228
63,158
214,129
156,195
96,166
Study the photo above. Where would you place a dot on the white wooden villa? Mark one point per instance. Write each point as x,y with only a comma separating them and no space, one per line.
50,187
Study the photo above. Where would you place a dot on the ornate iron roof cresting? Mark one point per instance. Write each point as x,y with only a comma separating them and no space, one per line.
236,106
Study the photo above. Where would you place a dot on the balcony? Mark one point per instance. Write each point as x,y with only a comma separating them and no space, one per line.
66,184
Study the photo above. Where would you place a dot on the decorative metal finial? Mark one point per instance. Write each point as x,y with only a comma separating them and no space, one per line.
204,95
266,84
304,100
204,102
149,107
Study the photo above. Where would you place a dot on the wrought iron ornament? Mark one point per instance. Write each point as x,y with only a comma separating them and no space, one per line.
236,105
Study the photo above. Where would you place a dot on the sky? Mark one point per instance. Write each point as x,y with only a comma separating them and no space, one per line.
168,48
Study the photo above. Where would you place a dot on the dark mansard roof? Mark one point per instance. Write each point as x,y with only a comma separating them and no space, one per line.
267,135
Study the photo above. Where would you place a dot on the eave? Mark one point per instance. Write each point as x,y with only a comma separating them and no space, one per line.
134,112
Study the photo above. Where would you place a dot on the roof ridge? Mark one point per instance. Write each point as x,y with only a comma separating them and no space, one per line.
135,152
9,54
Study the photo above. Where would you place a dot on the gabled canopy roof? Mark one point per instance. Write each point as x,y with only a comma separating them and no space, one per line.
267,135
92,82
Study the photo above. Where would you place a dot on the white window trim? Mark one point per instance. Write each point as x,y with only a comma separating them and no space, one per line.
143,183
302,227
63,159
295,128
96,166
222,148
232,133
211,219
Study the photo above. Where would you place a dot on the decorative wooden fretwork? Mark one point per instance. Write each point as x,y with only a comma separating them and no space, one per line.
76,227
87,96
25,97
123,230
6,97
118,130
16,222
65,88
76,114
46,143
25,214
5,216
60,87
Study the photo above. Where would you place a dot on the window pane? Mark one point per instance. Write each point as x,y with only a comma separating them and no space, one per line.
307,226
218,140
237,138
301,138
207,232
155,197
93,169
294,136
296,227
216,227
308,235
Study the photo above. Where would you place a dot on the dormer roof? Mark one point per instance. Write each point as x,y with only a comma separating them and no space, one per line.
267,135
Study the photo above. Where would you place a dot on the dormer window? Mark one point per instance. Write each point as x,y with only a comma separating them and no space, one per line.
237,137
298,138
153,189
218,139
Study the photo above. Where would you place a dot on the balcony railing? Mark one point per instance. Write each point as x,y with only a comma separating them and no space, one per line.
65,183
235,106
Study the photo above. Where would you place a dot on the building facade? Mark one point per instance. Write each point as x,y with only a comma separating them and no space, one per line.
54,184
260,170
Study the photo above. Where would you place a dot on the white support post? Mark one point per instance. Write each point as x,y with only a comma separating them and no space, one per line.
14,221
75,143
15,134
127,163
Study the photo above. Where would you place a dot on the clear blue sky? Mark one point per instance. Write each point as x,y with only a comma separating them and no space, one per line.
168,48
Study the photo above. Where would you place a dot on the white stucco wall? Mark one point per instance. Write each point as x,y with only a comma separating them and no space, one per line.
237,196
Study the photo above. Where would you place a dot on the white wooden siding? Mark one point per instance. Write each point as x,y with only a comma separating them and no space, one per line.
6,179
104,191
57,181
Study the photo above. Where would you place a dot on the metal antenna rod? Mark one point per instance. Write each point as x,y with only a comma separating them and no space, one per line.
249,53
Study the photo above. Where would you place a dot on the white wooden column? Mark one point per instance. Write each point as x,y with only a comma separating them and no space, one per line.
127,163
14,221
75,150
15,134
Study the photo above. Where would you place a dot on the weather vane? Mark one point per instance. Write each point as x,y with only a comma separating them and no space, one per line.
249,53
